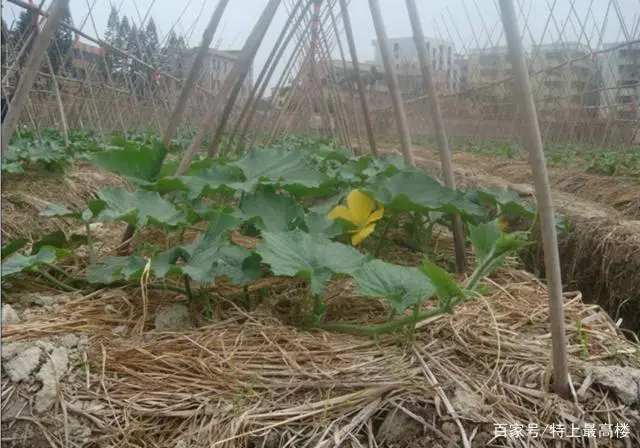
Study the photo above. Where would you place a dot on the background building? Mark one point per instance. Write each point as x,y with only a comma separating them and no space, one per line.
620,81
216,66
405,57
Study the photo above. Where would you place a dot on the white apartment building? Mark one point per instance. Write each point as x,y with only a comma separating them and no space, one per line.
215,69
620,69
405,56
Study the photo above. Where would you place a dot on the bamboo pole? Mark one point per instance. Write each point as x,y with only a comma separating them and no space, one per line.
362,93
240,71
267,71
439,127
194,72
32,66
533,142
242,65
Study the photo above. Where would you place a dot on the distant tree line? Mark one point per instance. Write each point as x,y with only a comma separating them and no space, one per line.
141,43
18,42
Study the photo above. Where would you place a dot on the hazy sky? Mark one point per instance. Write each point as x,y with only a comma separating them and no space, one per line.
467,23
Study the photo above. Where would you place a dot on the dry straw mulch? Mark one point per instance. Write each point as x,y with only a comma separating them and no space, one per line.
249,380
24,196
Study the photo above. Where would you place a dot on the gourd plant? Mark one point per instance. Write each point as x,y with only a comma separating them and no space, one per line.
284,196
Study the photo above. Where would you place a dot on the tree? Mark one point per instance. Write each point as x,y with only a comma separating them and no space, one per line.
152,43
121,40
23,33
111,59
59,50
172,52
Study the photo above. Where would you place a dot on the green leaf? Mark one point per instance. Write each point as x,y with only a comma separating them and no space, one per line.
446,286
316,257
138,208
206,181
483,238
18,262
13,247
402,286
510,243
138,164
273,212
203,255
112,269
286,168
508,202
320,223
239,264
59,240
413,190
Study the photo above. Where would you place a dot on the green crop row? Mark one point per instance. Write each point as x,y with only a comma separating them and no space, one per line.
291,197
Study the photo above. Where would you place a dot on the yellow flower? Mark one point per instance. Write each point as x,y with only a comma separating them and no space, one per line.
503,224
360,211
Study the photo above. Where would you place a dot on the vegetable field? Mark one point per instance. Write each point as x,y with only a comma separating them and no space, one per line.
270,247
299,241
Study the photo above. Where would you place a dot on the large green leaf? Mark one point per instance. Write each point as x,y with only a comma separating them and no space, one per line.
278,166
13,246
316,257
138,164
446,286
134,207
211,256
18,262
58,210
414,189
320,223
483,238
402,286
507,201
239,264
212,179
270,211
111,269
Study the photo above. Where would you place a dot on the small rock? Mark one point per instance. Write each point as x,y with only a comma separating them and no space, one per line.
83,341
46,346
175,317
50,374
23,364
450,429
398,427
11,349
42,300
68,340
467,403
9,315
623,381
120,330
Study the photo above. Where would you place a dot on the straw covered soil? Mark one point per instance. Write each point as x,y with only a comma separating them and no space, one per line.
141,367
25,195
600,255
247,379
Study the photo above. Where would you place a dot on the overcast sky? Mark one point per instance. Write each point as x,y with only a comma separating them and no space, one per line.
466,23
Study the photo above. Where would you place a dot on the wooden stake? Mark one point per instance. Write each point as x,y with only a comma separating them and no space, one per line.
362,92
439,127
241,68
533,142
194,72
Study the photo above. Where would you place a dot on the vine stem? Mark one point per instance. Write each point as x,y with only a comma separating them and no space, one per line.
383,238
